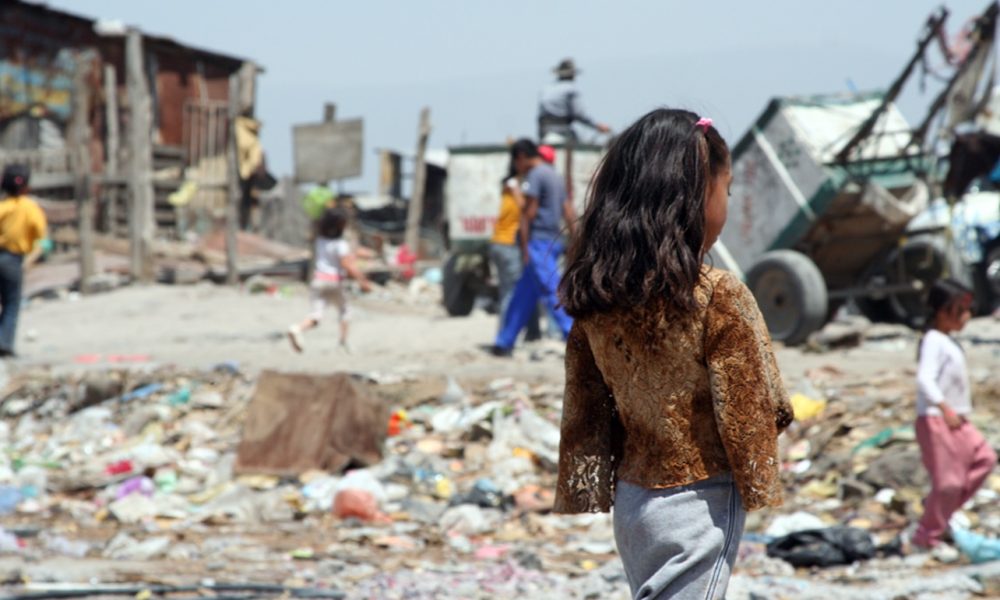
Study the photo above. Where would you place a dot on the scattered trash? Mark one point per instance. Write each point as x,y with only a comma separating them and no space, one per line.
10,497
120,467
887,435
136,485
784,525
296,423
142,392
533,498
180,397
357,504
806,408
125,547
133,508
61,546
210,464
398,421
823,547
484,493
977,547
453,393
10,542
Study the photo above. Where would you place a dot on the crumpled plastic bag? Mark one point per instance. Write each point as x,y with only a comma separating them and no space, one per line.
978,548
358,504
823,547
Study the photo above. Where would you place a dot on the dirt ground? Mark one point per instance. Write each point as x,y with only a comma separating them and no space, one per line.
393,331
199,326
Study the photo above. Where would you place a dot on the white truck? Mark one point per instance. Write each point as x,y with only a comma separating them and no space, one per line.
472,203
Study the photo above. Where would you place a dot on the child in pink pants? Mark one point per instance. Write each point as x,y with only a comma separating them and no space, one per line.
955,454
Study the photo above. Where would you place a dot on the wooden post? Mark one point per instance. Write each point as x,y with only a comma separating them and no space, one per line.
142,225
80,135
233,172
416,209
329,116
111,147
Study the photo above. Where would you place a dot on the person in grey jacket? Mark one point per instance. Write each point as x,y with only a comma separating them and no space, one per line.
560,107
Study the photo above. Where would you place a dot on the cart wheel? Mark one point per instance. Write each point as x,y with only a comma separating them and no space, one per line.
458,289
876,310
875,307
791,293
921,260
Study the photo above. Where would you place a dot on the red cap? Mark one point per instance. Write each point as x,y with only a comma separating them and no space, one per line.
548,153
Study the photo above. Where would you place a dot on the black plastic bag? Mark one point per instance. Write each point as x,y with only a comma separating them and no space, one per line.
823,547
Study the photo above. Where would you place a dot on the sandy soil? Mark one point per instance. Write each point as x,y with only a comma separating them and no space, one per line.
394,331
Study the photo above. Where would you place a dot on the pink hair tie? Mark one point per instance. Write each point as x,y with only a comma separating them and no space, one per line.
703,123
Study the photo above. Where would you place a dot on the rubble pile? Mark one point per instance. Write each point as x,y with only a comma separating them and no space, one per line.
139,474
142,468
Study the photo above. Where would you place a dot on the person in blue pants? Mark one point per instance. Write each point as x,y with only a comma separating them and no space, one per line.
545,206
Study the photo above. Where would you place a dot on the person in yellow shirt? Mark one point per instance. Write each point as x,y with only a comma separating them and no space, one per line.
505,248
22,226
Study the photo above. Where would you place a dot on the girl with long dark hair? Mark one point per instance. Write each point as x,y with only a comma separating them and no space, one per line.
673,399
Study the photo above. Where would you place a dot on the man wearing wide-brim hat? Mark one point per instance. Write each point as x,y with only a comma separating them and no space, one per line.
560,107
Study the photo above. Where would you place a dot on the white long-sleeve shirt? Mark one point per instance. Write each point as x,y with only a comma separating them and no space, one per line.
942,376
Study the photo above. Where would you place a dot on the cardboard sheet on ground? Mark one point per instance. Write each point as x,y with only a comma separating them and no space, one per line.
300,422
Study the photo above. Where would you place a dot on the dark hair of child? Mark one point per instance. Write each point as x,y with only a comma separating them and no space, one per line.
642,235
945,295
15,179
332,223
524,147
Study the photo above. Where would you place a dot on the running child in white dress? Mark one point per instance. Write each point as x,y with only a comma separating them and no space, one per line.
335,262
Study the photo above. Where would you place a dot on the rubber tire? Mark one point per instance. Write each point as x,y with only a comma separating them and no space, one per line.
785,278
911,309
875,309
459,295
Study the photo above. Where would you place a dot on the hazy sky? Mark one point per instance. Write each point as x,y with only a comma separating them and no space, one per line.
479,65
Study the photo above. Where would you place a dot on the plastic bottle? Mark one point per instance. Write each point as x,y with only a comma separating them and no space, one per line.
10,497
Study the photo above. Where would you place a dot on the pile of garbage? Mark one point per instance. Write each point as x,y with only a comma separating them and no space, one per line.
152,468
396,485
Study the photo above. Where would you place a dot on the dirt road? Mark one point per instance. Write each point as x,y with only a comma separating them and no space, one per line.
393,331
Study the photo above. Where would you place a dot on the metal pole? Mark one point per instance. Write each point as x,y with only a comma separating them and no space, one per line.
930,33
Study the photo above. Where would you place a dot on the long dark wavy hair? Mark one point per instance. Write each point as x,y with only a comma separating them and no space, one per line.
642,235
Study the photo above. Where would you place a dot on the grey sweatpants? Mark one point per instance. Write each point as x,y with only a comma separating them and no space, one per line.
679,542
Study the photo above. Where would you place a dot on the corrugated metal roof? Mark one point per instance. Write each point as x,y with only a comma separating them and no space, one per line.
161,42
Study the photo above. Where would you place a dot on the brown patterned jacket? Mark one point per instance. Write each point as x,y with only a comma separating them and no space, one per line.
661,402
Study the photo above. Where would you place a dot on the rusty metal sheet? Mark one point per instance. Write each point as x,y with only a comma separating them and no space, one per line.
326,152
299,422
